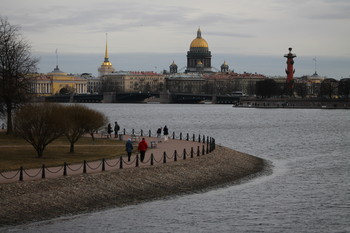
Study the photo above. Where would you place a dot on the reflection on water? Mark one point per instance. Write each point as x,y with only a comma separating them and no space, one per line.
307,192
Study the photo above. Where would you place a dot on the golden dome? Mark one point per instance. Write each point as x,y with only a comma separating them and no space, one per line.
106,63
199,42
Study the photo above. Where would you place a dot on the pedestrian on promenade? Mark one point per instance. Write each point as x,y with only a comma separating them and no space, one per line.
109,130
166,133
142,148
116,129
129,148
159,134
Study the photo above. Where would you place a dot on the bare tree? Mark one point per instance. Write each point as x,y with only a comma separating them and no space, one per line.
39,124
329,88
79,120
96,122
16,63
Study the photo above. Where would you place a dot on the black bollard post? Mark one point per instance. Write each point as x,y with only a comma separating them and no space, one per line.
103,165
173,135
191,152
199,138
194,137
43,171
180,136
207,148
133,132
175,156
84,167
21,174
203,150
164,157
124,131
141,133
121,162
184,155
152,159
149,133
203,138
187,137
137,160
198,151
65,169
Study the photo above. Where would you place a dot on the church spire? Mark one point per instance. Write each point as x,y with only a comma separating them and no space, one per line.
106,53
199,33
106,67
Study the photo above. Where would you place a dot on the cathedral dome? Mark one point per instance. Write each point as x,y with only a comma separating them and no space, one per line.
199,42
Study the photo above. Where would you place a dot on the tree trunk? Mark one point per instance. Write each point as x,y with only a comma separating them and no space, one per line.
9,118
71,150
40,153
92,136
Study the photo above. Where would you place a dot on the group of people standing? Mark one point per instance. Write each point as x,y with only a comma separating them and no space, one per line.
165,133
110,130
143,146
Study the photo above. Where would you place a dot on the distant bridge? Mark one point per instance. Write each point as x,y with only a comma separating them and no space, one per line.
197,98
99,98
137,97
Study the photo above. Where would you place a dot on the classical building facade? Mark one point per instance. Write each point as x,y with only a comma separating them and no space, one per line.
57,82
213,83
133,81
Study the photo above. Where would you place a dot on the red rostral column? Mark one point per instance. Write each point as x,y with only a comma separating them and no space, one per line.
290,70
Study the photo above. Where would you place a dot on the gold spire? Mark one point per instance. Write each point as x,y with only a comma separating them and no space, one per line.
106,61
106,53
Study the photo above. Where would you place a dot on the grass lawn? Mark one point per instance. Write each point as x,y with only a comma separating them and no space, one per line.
16,152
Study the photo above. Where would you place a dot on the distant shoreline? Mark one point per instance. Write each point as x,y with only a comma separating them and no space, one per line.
24,202
294,103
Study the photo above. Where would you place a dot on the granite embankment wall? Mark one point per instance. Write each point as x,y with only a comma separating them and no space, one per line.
49,198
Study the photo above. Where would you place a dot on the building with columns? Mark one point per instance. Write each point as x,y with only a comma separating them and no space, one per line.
57,82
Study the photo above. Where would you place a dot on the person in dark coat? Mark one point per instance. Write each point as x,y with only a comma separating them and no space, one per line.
159,134
166,133
142,148
129,148
116,129
109,130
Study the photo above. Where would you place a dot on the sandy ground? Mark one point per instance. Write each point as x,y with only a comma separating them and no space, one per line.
36,200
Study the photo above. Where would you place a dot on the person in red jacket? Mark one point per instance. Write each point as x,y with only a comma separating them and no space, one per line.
142,148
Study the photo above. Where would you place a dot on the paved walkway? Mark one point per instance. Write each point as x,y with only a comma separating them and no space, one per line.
169,147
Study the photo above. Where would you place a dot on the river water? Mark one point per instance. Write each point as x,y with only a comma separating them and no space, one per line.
308,190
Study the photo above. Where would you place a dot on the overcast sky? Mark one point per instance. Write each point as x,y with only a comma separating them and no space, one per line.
250,35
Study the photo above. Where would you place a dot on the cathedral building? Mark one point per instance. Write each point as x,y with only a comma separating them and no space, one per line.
199,56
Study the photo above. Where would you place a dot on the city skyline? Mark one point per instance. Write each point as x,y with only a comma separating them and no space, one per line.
148,35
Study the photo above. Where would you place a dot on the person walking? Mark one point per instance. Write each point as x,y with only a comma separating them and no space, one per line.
129,148
159,134
142,148
116,129
109,130
166,133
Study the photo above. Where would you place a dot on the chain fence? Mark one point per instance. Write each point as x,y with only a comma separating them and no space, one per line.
81,168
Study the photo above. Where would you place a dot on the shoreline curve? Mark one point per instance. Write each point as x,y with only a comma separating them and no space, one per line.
38,200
